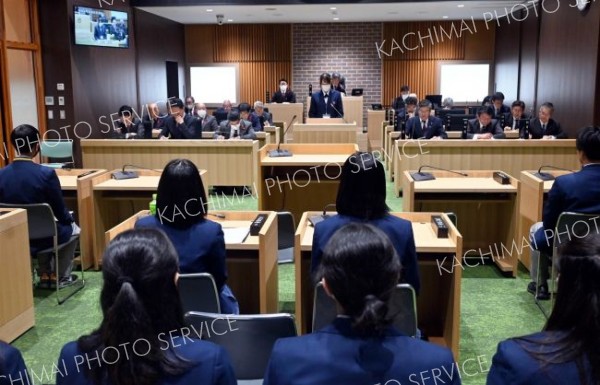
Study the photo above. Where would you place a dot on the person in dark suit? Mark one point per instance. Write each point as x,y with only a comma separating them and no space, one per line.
544,127
515,119
425,125
284,94
247,115
26,182
264,118
337,84
576,192
359,270
566,351
221,113
179,125
12,367
206,122
484,127
399,102
99,32
235,128
142,334
152,121
326,103
128,126
404,114
190,106
361,198
181,210
498,105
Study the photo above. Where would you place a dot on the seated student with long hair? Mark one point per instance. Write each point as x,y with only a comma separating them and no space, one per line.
568,350
361,198
181,209
359,270
142,338
12,367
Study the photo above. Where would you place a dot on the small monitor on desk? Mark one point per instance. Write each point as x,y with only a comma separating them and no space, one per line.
357,92
436,100
377,107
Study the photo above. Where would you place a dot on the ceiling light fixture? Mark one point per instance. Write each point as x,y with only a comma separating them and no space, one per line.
460,5
209,10
444,17
336,18
230,20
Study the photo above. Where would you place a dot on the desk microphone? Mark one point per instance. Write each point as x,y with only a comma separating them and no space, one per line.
320,218
338,112
423,176
545,176
279,153
130,174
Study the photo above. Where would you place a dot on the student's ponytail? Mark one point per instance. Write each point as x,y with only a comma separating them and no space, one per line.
373,320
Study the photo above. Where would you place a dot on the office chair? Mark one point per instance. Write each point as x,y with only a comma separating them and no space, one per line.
248,339
57,149
402,307
198,292
42,225
285,232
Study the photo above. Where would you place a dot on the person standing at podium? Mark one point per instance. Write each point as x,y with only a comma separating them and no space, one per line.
326,103
284,94
361,198
425,125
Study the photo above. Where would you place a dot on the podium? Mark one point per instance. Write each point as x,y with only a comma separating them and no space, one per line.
325,133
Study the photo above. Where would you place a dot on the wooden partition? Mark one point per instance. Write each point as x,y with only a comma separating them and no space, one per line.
228,162
327,133
353,109
375,120
511,156
284,112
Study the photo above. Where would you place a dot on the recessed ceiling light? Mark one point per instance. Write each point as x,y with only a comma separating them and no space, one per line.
209,10
336,18
230,20
444,17
333,8
460,5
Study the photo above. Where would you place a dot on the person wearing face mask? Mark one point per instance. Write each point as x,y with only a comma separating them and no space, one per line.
190,106
328,102
284,94
235,128
207,123
399,102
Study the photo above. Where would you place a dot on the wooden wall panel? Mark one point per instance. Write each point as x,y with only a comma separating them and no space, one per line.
421,75
258,77
252,42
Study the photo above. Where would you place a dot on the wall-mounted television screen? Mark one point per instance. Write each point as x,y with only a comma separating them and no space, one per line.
101,27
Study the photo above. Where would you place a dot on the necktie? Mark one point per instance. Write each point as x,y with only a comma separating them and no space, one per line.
543,128
423,125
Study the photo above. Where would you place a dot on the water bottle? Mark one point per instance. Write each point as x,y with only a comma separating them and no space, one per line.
152,205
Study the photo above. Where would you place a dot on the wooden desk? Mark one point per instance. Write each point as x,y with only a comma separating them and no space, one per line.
438,304
275,134
374,124
391,137
251,265
114,200
531,205
16,290
512,156
77,193
325,133
487,211
284,112
306,181
228,162
353,109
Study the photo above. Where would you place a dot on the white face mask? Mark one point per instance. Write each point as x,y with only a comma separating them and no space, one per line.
235,127
326,87
190,106
202,113
283,88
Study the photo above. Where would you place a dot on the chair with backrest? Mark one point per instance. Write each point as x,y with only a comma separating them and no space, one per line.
402,307
57,149
198,292
249,339
569,225
42,225
285,231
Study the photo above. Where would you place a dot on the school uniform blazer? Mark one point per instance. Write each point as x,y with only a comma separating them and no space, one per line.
12,366
318,108
211,363
513,365
186,130
336,355
474,128
552,128
26,182
434,128
397,229
576,192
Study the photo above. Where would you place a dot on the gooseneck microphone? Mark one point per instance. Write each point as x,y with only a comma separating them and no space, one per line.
321,217
545,176
278,153
423,176
123,174
338,112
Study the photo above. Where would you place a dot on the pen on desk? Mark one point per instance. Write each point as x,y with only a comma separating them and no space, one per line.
246,237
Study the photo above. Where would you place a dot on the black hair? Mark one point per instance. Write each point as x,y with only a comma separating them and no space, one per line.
139,301
190,97
486,100
361,269
175,102
404,88
335,75
233,116
588,142
181,200
425,103
362,188
411,100
576,314
498,96
548,105
485,110
126,109
25,139
244,107
518,103
325,77
283,80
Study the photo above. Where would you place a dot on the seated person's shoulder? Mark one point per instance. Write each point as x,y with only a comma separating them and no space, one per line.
147,221
396,222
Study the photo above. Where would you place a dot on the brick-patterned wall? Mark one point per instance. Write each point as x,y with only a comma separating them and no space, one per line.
347,48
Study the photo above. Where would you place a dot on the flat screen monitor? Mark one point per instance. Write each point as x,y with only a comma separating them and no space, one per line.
436,100
100,27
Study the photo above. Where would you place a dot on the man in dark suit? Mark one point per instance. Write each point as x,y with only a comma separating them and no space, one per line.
398,103
206,122
264,117
515,119
152,121
425,125
326,103
235,128
26,182
128,126
407,112
12,367
99,32
577,192
337,84
179,125
190,106
498,105
246,115
221,113
544,127
284,94
484,127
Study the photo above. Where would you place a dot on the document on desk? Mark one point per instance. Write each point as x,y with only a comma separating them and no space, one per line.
235,234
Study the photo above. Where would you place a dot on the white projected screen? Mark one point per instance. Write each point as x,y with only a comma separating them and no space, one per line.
212,85
465,82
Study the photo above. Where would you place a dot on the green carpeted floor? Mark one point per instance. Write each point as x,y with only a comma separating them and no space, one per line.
493,308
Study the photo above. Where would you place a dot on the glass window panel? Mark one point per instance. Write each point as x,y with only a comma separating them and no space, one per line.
23,96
